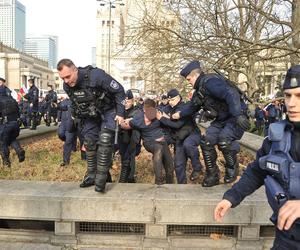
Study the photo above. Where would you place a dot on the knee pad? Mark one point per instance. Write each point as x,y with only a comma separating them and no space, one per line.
205,144
90,144
105,139
224,145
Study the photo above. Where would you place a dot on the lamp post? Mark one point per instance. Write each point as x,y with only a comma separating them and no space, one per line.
111,4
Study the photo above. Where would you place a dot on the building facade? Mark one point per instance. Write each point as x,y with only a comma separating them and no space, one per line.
17,67
115,51
12,24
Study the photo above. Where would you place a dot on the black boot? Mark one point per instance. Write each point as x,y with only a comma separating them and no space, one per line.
125,171
19,150
211,177
104,160
6,162
231,166
91,158
4,152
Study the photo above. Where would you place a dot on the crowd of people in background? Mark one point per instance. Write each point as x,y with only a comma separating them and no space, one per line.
264,115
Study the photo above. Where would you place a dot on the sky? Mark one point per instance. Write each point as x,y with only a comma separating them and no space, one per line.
73,21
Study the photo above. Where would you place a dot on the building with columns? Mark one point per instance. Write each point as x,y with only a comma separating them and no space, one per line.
115,52
17,67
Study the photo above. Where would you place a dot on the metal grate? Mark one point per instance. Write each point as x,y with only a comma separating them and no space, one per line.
27,224
201,230
111,228
267,231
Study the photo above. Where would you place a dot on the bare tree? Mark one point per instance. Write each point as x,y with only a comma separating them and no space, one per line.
239,36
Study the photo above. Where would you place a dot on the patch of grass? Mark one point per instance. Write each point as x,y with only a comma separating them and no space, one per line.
43,158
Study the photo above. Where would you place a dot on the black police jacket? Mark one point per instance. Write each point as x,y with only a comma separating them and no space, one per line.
33,96
97,82
216,96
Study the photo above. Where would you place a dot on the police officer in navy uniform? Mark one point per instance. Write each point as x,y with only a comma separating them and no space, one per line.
3,86
277,166
185,136
51,105
9,127
33,99
221,102
129,142
98,100
66,131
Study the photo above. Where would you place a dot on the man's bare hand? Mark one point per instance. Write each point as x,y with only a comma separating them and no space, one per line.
119,119
288,213
221,209
159,115
176,116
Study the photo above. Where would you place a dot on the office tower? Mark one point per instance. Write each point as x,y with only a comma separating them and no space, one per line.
12,24
44,47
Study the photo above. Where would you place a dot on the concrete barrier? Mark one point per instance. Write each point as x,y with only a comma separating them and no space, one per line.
154,208
53,215
42,130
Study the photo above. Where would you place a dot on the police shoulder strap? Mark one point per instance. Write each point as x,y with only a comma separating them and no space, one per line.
232,84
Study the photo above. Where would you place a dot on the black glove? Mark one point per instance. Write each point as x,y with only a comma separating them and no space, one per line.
243,122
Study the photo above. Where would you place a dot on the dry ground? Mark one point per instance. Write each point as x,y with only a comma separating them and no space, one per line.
44,156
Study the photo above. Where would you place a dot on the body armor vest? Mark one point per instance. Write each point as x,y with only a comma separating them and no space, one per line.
212,104
282,181
86,101
9,110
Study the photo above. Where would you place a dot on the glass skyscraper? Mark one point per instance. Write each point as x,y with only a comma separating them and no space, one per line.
12,24
43,47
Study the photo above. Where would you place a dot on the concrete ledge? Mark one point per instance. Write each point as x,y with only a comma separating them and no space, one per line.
41,130
128,203
155,206
250,142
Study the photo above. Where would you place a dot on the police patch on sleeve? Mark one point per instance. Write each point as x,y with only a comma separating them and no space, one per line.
114,84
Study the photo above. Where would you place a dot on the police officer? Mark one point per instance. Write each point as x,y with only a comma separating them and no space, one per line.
9,128
185,136
98,100
33,99
66,131
129,142
221,102
3,86
163,105
277,167
51,105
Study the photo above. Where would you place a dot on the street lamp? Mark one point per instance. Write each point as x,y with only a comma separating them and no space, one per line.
111,4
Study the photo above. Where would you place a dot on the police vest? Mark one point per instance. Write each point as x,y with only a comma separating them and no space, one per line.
282,181
87,101
212,104
9,110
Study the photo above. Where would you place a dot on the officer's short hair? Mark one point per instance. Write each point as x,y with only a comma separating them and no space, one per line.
31,80
196,71
65,62
49,85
